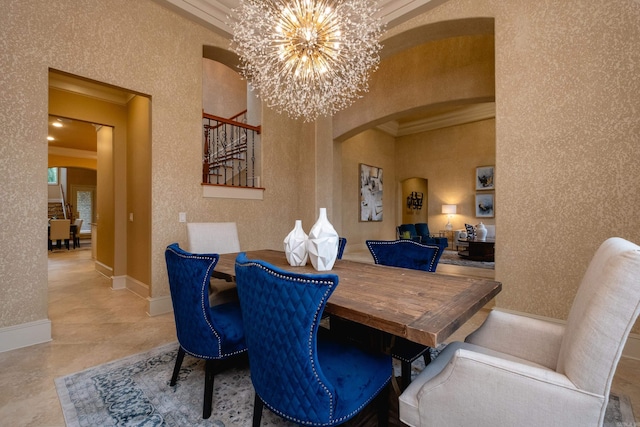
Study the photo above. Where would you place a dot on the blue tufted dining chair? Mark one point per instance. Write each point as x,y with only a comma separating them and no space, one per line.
416,256
297,372
342,243
210,333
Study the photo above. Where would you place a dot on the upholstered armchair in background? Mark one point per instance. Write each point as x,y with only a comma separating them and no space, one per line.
210,333
521,371
298,373
422,228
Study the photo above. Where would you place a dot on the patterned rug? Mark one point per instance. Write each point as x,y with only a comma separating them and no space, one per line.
135,391
451,257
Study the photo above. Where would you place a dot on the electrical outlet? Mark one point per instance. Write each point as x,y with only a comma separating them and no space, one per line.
182,217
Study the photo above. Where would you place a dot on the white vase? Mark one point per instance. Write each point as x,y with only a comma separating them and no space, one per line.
322,245
295,246
481,232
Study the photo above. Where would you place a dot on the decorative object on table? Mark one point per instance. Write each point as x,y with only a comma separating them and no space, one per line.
481,232
298,369
370,193
322,245
308,58
484,178
449,210
414,200
471,231
295,246
484,205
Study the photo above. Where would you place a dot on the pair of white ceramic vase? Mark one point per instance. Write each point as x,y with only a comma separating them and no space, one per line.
320,246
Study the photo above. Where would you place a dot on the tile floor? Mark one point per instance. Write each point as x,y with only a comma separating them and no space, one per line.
93,324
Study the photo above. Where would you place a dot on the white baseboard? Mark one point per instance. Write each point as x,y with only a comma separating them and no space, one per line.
631,348
159,305
118,282
25,335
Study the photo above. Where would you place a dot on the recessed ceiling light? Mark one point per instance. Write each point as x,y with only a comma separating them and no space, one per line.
50,138
56,124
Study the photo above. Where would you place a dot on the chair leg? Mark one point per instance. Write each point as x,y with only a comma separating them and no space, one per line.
210,371
257,410
176,367
405,368
383,406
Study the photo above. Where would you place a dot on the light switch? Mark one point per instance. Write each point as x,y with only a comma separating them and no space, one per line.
131,216
182,217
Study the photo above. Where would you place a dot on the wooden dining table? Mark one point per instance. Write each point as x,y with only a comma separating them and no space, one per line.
422,307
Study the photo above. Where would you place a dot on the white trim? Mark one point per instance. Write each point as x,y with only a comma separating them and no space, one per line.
223,192
631,348
118,282
25,335
137,287
159,305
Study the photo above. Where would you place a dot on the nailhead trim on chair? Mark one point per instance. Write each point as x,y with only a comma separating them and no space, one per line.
204,293
403,241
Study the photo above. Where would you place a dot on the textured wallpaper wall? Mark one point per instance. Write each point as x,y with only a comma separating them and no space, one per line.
567,148
566,137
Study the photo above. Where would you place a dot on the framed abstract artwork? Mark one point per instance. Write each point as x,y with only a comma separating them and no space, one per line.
484,205
484,178
370,193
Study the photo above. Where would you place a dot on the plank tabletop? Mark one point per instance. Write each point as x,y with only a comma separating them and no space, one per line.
423,307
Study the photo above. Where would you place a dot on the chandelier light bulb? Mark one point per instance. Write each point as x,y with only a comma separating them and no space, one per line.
307,57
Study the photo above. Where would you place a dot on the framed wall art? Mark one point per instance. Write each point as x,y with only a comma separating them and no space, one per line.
484,205
370,193
484,178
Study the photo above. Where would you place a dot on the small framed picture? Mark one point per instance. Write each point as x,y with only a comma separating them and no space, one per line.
484,178
484,205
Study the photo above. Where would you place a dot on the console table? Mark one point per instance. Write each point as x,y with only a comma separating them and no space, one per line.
479,250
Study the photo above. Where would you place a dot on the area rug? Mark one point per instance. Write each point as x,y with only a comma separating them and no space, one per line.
451,257
135,391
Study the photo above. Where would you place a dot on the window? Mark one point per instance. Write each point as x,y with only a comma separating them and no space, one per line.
53,176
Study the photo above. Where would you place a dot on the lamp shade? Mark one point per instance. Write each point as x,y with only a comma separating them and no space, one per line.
449,209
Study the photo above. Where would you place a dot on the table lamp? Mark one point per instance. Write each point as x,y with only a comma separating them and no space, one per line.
449,210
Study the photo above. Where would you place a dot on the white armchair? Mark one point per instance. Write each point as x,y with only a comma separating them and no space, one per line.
519,371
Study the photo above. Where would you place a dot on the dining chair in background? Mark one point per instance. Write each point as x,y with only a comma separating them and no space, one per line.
76,235
59,230
211,333
215,238
298,372
342,243
416,256
521,371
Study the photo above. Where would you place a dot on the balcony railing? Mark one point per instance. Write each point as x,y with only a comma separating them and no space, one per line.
229,151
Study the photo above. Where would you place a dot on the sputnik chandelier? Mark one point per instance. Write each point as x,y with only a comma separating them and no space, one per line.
307,57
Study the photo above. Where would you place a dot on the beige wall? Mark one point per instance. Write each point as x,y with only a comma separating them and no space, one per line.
374,148
566,137
448,158
224,93
138,184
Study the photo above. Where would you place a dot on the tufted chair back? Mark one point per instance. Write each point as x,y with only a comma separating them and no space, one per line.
300,377
405,254
202,331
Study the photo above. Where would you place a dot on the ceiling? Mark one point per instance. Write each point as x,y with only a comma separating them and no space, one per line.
78,139
214,13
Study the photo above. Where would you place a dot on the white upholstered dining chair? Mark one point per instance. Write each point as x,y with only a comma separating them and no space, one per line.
520,371
215,238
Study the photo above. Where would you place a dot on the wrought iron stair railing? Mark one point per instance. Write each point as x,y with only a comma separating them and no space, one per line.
229,151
